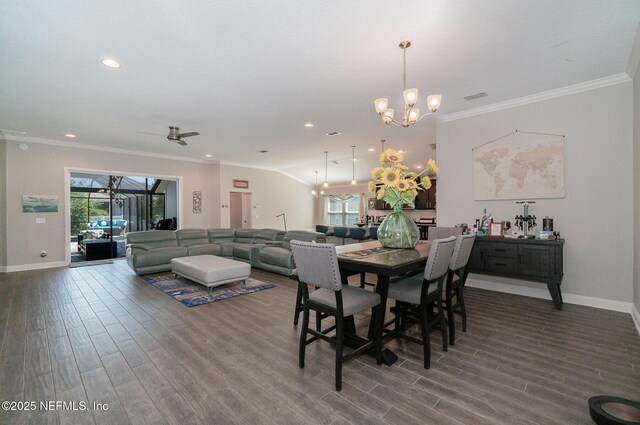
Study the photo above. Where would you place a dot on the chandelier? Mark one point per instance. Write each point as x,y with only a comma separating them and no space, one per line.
315,192
411,113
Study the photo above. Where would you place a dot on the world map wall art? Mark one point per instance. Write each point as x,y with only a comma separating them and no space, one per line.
520,165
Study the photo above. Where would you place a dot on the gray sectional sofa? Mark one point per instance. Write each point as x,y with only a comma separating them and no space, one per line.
268,249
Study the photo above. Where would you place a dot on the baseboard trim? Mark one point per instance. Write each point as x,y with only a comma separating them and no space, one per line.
35,266
602,303
635,315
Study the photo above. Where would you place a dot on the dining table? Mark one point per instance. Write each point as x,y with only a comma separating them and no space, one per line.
385,263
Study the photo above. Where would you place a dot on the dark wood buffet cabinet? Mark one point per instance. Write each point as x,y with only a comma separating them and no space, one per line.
529,259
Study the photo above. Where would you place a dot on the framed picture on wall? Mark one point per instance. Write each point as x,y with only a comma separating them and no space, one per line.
197,202
496,228
371,204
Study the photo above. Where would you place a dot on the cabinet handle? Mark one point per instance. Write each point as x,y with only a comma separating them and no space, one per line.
500,264
500,250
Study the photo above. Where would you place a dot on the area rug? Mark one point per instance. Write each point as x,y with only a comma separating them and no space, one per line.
193,294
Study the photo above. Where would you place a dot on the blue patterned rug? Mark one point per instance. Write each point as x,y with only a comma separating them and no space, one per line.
193,294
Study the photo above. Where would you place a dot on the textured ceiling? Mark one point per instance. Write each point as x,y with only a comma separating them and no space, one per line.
248,74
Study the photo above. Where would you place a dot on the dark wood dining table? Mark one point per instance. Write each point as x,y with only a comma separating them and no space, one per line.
371,257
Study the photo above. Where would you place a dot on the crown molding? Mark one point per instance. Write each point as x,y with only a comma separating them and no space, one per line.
538,97
75,145
275,170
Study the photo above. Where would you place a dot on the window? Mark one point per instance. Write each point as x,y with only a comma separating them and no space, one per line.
343,213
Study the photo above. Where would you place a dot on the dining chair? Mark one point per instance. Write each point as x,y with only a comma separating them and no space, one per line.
317,265
424,293
443,232
456,278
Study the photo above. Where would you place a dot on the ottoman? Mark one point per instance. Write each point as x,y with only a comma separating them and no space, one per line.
209,270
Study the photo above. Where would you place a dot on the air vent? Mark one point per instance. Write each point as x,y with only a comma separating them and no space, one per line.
336,162
334,134
475,96
263,151
432,146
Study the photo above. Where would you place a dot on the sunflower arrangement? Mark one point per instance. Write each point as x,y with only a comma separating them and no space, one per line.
395,184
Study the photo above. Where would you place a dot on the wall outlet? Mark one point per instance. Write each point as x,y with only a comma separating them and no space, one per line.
41,220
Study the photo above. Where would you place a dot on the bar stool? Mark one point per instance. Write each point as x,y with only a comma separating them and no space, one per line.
456,278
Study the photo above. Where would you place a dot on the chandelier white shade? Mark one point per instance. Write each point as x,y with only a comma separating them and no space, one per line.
411,114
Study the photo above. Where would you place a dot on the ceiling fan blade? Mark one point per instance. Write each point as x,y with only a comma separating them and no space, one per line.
193,133
152,134
181,142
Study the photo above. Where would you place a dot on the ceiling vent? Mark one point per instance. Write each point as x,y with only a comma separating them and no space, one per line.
475,96
263,151
336,162
334,134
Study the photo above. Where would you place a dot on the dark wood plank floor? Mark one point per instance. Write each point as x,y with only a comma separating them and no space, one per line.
101,334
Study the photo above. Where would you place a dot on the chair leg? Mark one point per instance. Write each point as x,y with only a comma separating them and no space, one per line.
362,280
426,343
339,340
303,337
450,318
443,322
463,309
318,321
296,314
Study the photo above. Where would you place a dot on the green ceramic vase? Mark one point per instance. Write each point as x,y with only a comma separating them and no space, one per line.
398,230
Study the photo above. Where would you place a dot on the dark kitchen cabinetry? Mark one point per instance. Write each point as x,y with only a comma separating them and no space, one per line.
425,200
529,259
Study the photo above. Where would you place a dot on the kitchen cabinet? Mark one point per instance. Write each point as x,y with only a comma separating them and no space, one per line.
425,200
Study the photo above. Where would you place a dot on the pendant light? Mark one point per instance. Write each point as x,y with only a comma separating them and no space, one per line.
315,192
326,166
353,165
382,142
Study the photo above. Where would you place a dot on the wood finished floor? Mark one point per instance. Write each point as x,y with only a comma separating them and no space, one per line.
102,334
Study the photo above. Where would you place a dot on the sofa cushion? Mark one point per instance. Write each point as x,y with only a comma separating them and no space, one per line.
188,237
242,251
268,235
208,248
245,235
152,239
276,256
159,256
221,235
226,249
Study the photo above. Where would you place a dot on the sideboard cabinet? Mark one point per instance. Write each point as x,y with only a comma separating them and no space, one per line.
529,259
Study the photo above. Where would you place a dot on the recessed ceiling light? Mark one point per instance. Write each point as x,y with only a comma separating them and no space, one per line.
308,124
70,135
208,155
371,149
419,167
110,63
334,133
400,151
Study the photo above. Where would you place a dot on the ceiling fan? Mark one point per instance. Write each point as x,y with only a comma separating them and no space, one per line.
175,135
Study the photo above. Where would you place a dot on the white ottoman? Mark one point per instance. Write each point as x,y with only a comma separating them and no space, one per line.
209,270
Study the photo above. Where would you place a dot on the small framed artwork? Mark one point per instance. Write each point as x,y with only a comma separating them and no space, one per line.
197,202
241,184
39,204
496,228
371,204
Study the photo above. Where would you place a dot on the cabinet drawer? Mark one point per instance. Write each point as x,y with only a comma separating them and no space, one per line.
496,264
501,250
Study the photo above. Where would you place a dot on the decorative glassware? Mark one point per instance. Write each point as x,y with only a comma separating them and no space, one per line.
398,230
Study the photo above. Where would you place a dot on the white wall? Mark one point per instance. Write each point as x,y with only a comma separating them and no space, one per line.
636,187
40,170
595,217
3,205
272,193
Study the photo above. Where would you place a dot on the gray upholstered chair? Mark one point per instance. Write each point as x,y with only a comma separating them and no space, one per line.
458,271
443,232
424,293
317,265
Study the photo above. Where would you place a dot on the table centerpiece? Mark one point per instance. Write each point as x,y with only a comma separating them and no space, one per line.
397,186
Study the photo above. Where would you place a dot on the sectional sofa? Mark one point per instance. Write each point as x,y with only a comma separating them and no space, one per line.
268,249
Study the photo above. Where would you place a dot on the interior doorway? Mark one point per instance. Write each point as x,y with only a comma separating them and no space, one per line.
240,210
104,207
